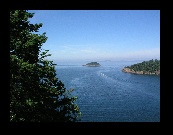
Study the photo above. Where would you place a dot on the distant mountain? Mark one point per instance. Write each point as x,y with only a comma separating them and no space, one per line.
92,64
151,67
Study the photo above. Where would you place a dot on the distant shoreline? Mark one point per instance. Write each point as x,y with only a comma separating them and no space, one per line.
128,70
92,64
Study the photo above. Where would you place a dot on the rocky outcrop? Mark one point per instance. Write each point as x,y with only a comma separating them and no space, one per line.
128,70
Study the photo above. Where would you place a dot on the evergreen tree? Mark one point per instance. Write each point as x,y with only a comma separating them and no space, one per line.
150,66
36,95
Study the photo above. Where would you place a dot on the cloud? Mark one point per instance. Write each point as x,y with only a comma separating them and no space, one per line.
75,52
89,51
148,52
143,54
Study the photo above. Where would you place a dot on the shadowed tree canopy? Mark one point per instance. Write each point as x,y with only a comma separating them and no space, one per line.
36,94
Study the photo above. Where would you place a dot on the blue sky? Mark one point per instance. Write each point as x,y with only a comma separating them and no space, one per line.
98,35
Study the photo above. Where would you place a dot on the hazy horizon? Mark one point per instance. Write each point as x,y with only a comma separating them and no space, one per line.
100,35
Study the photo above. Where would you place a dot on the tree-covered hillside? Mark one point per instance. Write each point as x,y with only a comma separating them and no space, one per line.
92,64
145,67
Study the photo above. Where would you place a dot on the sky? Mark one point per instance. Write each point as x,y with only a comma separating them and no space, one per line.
99,35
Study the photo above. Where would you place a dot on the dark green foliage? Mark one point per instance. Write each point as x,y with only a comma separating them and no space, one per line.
36,95
93,64
151,66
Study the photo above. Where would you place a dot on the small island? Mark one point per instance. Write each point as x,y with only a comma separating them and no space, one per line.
92,64
151,67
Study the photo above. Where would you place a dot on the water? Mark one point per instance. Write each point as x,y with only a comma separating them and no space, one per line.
106,94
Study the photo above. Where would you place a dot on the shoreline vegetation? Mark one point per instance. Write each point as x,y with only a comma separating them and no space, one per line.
151,67
92,64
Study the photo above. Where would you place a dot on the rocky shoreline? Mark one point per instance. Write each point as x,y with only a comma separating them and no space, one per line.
128,70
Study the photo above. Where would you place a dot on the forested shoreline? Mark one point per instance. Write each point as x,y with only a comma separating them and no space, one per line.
151,67
92,64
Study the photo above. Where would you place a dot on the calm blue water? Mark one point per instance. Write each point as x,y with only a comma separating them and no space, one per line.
106,94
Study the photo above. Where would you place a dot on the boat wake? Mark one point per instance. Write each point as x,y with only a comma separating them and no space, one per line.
121,80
